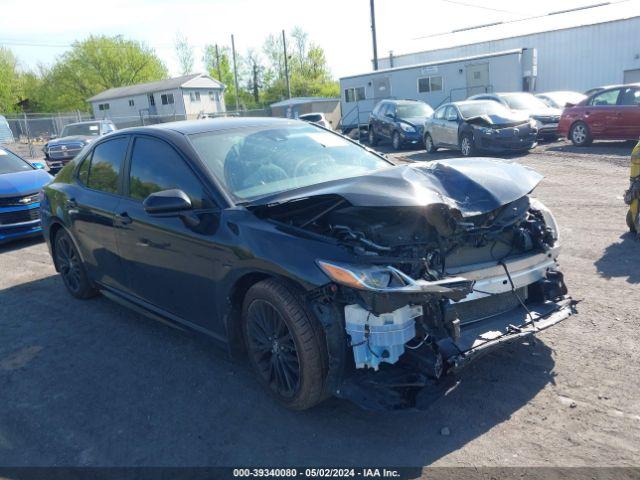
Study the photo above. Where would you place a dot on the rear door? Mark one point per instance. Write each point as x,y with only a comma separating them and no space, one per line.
170,261
627,120
601,114
92,209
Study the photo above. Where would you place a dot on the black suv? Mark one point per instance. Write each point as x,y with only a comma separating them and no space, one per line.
401,121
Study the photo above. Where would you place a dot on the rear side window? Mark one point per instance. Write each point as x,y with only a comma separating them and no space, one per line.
629,96
609,97
104,167
156,166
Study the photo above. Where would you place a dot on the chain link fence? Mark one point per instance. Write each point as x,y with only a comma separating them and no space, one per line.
32,130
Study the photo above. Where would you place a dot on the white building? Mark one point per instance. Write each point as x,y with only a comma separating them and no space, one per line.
178,98
571,50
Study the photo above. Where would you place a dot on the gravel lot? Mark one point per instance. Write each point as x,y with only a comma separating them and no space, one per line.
91,383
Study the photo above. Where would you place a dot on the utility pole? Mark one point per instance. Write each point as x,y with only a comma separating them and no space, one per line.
218,63
235,73
373,35
286,63
256,93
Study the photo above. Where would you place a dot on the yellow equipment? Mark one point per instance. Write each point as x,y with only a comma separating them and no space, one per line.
632,196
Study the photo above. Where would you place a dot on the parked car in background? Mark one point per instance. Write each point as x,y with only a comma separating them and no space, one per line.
546,117
317,258
591,91
317,118
73,138
20,184
561,99
611,114
632,195
475,126
400,121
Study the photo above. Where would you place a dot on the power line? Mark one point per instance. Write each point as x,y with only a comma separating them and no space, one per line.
455,2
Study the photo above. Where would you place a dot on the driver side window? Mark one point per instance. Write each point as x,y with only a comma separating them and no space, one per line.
156,166
439,114
451,114
607,98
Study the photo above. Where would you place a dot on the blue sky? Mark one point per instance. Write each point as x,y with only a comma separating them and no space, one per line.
340,27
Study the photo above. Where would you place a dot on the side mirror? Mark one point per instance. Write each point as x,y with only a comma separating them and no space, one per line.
167,202
38,165
569,105
390,115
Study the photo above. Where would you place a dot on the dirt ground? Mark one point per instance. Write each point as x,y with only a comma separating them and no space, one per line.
91,383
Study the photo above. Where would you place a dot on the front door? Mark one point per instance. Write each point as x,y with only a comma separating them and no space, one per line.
450,126
92,208
477,78
170,260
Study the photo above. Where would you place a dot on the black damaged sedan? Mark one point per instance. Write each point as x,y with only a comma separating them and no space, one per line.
327,266
479,126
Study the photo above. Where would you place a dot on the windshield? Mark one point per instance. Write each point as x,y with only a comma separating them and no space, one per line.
254,162
311,117
560,99
523,101
82,129
11,163
417,109
470,110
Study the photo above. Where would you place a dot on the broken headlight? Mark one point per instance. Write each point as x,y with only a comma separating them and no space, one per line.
357,276
549,219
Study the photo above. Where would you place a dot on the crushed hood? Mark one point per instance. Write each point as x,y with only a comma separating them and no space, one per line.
498,120
471,185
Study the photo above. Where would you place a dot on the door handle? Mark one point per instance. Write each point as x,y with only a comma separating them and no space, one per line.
124,218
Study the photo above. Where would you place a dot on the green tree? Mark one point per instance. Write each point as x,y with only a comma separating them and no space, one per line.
10,85
184,52
97,64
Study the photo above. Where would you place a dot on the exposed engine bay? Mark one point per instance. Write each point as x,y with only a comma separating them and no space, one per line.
435,285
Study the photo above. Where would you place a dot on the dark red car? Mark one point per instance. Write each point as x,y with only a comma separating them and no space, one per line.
610,114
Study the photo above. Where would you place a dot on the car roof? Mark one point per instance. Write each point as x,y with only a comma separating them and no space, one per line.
190,127
86,122
468,102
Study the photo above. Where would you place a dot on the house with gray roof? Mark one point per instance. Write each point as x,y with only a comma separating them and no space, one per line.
179,98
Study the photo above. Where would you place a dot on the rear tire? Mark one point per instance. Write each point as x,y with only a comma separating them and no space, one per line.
630,224
428,144
580,135
71,267
466,145
396,142
284,344
373,138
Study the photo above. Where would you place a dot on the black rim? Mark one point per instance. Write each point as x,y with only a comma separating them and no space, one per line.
273,348
68,263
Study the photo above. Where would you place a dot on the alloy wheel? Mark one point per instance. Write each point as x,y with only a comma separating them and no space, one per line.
579,134
68,263
466,146
428,143
272,346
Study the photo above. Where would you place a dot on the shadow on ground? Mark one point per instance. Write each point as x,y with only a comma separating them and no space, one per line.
622,148
91,383
621,259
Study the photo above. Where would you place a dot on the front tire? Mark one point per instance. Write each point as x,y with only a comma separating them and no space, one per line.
284,344
71,267
396,141
630,224
580,134
373,138
429,145
466,145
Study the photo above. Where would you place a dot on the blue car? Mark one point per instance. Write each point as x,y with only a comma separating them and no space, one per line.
400,121
20,184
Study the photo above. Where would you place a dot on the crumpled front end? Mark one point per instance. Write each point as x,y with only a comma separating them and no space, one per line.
632,195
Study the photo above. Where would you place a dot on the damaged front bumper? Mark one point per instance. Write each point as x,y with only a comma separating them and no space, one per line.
398,347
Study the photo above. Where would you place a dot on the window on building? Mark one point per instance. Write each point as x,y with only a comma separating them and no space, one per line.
152,101
354,94
194,96
430,84
131,102
212,95
104,170
103,106
166,98
155,166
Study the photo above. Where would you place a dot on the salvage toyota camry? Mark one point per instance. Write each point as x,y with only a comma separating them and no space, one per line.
329,267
